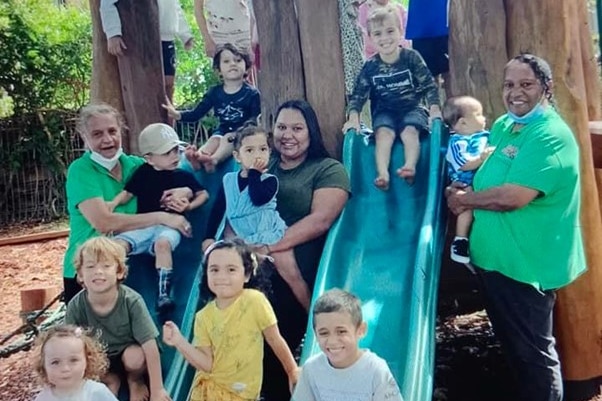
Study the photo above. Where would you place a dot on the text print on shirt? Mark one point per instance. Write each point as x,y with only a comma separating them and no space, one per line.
400,82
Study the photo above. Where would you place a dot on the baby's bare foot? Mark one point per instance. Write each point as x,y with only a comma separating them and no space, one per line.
382,182
407,173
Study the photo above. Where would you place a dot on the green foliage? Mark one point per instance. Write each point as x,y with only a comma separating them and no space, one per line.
45,60
194,74
6,104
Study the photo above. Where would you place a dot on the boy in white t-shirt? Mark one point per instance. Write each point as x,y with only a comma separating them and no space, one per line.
343,371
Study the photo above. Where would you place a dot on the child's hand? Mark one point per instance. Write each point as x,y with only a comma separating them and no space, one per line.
293,378
171,110
116,46
171,334
434,112
260,165
352,124
160,395
189,44
487,152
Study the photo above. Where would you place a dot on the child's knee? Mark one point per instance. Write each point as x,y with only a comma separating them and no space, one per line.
162,246
384,133
133,359
410,132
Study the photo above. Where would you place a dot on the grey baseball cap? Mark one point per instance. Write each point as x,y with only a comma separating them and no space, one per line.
158,139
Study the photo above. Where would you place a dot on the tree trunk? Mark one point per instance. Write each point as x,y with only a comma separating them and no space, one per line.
281,75
554,30
477,55
105,85
141,66
323,67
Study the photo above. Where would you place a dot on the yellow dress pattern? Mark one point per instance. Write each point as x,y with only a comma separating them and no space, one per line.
235,336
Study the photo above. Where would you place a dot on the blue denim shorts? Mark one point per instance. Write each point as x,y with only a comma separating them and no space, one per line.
396,122
143,240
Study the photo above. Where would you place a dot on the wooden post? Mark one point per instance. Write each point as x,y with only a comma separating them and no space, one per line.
323,67
34,299
141,66
281,75
557,31
105,85
477,55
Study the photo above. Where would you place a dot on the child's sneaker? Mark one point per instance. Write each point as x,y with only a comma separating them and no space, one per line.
459,251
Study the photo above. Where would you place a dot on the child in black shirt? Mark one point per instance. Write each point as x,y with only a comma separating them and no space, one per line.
160,146
234,102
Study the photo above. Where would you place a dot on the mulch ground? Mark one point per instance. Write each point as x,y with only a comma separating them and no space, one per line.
469,362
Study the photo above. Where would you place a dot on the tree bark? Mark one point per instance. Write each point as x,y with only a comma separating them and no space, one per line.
554,30
281,75
323,67
105,85
478,52
141,66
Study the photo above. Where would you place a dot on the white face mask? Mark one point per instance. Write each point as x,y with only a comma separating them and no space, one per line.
108,164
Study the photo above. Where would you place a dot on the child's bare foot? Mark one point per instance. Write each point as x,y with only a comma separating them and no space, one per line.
382,182
407,173
138,390
209,166
112,381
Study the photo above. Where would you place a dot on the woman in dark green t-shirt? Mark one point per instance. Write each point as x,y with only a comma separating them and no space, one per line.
312,193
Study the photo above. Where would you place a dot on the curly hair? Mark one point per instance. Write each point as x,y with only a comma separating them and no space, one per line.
257,267
542,72
97,362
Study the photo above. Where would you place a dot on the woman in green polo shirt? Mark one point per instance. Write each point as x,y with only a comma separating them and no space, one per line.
97,177
526,238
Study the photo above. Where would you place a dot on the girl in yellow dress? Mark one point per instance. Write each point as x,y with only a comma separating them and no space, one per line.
227,348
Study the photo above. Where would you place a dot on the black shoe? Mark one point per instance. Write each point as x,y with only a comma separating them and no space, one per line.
459,251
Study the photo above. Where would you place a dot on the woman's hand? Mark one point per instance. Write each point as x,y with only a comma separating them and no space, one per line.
454,194
171,334
177,222
176,193
206,244
178,205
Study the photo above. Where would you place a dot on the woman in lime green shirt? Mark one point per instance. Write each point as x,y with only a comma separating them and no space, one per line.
526,237
97,177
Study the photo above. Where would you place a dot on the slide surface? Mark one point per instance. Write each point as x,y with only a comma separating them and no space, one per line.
142,275
386,248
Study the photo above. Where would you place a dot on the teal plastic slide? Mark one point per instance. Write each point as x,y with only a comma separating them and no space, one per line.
187,261
386,248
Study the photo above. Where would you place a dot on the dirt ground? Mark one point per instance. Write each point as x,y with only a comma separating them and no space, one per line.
469,362
24,266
